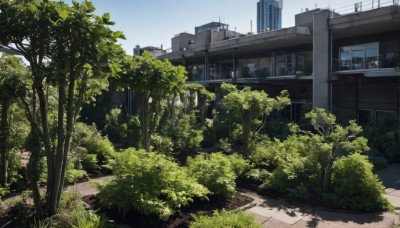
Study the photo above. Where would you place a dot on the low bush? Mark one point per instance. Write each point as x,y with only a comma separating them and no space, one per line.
90,148
186,136
217,171
161,144
384,137
72,213
237,219
355,185
150,183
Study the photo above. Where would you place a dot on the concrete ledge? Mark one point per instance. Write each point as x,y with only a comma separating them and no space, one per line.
281,34
367,17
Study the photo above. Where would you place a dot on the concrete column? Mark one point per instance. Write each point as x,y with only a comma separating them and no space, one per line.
206,66
321,56
234,66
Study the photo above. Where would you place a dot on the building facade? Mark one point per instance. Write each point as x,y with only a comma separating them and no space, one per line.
269,15
346,63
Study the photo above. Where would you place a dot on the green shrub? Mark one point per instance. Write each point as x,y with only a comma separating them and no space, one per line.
161,144
114,125
355,185
217,172
294,169
74,175
89,162
102,147
384,137
3,192
89,146
237,219
185,135
72,213
150,183
378,161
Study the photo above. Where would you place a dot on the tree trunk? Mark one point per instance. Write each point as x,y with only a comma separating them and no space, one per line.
47,147
4,134
35,168
327,178
246,125
145,124
70,127
58,163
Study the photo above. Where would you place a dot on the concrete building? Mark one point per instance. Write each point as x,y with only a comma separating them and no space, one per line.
155,51
269,15
348,63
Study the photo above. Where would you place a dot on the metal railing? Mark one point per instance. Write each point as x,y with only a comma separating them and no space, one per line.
363,6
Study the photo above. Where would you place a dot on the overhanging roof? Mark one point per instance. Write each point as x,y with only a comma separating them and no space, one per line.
380,20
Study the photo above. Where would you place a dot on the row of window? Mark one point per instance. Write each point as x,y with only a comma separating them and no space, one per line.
369,56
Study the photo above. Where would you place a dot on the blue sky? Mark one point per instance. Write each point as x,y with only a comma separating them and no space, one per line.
155,22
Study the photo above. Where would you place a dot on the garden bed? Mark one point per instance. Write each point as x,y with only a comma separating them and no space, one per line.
181,219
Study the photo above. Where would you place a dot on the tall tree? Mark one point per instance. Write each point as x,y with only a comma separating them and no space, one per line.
68,47
153,80
253,108
11,87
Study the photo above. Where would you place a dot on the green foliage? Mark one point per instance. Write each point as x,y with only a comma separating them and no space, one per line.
102,147
253,108
185,135
217,171
89,162
121,127
355,185
384,137
153,80
224,219
70,48
72,213
150,183
295,173
74,175
197,98
161,144
90,147
114,127
3,191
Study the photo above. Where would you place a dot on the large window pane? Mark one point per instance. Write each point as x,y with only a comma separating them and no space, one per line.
357,60
389,54
371,58
345,58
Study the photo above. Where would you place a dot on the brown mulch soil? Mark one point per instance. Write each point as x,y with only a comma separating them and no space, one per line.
17,216
182,219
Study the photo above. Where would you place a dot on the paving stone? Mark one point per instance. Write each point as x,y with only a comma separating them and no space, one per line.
275,224
324,219
279,211
261,219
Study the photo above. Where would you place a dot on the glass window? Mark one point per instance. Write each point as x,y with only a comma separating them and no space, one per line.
389,52
357,59
345,59
371,58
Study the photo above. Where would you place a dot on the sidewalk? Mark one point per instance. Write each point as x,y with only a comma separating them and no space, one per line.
275,213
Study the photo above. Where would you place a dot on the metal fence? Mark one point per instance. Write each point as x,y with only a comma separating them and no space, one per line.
363,6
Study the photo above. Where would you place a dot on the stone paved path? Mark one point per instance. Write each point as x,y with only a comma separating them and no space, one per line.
275,213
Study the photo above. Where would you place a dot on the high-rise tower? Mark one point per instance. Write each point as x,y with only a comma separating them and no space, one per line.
269,15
